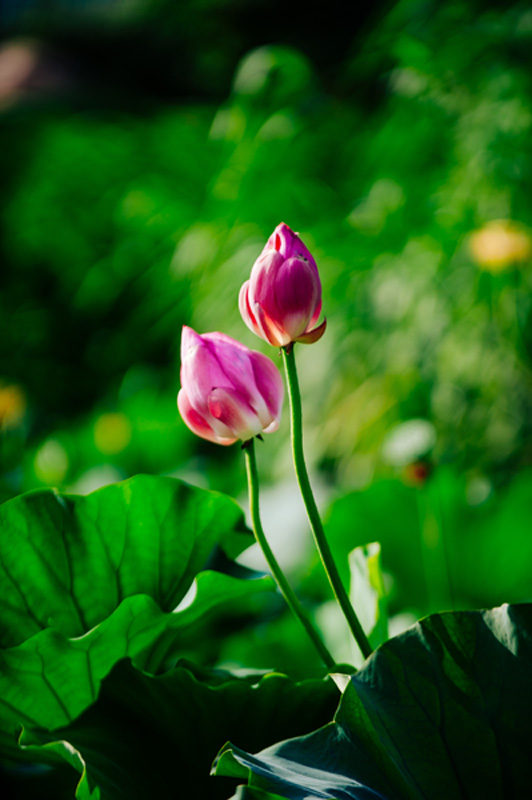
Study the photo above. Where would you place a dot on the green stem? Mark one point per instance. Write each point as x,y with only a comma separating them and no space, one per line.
282,583
310,504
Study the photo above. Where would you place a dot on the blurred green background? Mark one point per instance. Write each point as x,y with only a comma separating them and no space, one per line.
148,149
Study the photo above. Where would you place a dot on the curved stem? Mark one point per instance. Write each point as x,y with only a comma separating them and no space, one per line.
282,583
310,504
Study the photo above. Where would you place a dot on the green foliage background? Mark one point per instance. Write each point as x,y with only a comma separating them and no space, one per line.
147,150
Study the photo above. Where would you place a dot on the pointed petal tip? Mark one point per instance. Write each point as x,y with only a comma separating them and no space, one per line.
189,338
284,228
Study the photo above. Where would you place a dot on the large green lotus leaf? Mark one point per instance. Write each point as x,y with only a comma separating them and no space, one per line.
66,562
442,711
50,679
156,736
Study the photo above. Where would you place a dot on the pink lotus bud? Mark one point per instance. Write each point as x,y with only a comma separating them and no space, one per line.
228,391
282,299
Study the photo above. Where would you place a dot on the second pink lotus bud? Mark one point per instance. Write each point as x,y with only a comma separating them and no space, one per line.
281,302
229,392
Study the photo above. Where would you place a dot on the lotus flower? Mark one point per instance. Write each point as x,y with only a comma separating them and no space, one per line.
228,391
281,302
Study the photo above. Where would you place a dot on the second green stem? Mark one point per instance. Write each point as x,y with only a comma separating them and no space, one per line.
284,586
310,504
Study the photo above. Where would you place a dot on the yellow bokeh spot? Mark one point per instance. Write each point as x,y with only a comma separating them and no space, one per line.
51,462
12,406
500,245
112,433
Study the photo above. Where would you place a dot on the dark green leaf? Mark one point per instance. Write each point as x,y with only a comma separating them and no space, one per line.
442,711
85,581
156,736
67,562
50,678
